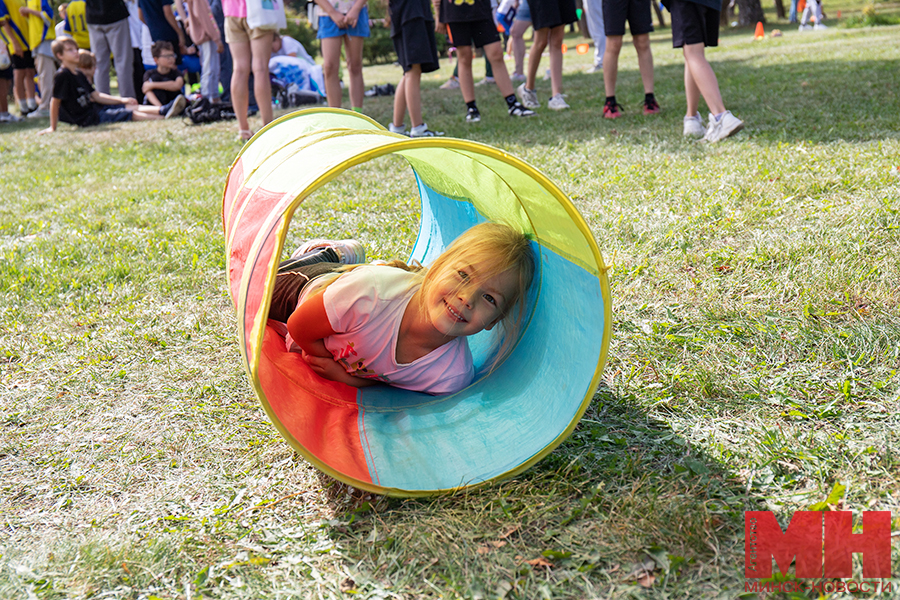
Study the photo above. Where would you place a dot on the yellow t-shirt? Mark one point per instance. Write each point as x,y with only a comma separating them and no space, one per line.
77,24
39,29
17,23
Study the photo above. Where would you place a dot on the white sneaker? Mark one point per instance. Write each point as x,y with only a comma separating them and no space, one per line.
39,114
516,77
423,131
818,26
722,128
557,102
528,98
487,81
351,252
177,107
9,118
450,84
693,126
804,27
594,69
401,129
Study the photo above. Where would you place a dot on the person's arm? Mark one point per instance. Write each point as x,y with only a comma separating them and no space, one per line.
352,15
149,96
326,7
174,85
101,98
309,326
438,26
170,17
18,50
54,116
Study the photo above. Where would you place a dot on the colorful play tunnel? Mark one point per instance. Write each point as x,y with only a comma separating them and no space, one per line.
393,441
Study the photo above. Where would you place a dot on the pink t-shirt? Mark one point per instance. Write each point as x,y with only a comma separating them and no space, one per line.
366,306
234,8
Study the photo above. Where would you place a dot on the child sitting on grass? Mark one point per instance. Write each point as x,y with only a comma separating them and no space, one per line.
76,101
162,85
405,326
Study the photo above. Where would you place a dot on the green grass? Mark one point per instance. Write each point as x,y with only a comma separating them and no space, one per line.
753,363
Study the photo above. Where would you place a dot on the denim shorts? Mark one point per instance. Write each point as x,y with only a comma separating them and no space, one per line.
113,114
523,13
327,28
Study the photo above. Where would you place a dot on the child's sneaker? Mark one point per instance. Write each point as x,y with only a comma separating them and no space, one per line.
612,110
472,115
693,126
177,107
557,102
395,129
487,81
527,97
423,131
517,77
651,107
517,110
722,128
450,84
351,252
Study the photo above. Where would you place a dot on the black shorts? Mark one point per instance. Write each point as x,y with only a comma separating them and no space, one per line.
552,13
26,61
415,45
479,33
693,23
636,12
7,72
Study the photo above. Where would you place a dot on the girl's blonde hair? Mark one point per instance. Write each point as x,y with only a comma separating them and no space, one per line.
503,249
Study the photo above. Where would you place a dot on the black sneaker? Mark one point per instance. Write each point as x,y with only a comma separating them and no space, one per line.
517,110
472,115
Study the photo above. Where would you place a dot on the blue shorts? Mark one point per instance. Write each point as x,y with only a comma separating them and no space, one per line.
327,28
523,13
113,114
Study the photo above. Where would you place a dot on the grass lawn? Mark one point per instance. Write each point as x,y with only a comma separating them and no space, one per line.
753,364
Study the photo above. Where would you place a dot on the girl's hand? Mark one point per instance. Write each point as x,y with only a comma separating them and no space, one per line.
440,28
332,370
351,18
340,20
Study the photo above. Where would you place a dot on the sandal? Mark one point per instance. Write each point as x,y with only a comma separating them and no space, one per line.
245,134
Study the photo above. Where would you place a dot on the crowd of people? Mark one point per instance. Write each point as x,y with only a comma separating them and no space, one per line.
160,45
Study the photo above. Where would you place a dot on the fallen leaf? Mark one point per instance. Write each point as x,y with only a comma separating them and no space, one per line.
498,543
646,580
482,550
539,562
509,532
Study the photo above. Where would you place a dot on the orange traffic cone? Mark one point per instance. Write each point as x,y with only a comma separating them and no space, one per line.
760,33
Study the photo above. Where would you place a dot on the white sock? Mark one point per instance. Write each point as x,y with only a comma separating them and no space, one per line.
422,127
23,106
397,129
32,104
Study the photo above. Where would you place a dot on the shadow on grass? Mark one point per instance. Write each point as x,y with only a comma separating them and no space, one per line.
623,501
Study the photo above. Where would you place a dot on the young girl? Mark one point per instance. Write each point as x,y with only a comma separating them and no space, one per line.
404,326
347,22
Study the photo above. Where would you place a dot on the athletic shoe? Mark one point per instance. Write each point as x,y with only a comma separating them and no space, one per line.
528,98
423,131
594,69
804,27
651,107
516,77
401,130
351,252
517,110
722,128
472,115
177,107
818,26
557,102
612,110
9,118
39,114
451,84
693,126
487,81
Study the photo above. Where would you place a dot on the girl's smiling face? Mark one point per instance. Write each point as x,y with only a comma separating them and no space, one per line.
461,300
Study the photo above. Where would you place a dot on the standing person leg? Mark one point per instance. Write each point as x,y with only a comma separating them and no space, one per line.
517,34
611,108
209,71
119,36
467,80
593,12
399,107
722,123
100,48
693,122
556,36
645,66
331,67
526,92
46,68
261,51
240,90
354,47
412,80
494,53
137,74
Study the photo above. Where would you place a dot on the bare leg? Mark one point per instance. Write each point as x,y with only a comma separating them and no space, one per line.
144,113
466,80
354,46
534,57
691,92
331,66
494,54
704,77
645,61
556,58
240,77
518,44
611,63
400,102
413,79
261,49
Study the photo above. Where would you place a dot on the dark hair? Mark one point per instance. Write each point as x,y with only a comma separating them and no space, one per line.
161,46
